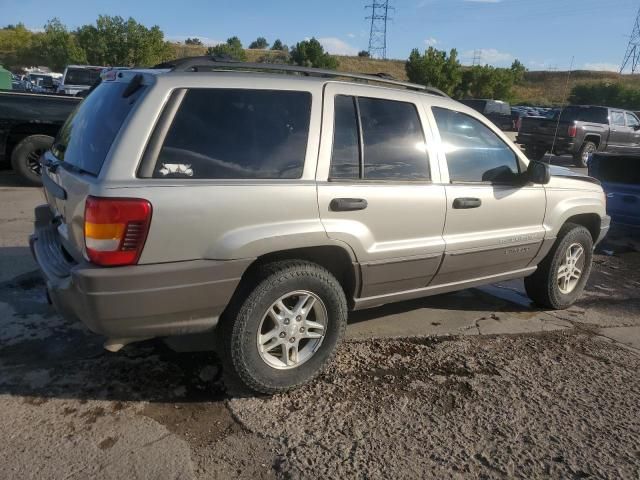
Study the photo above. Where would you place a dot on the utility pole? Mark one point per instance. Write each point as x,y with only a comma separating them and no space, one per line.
632,55
477,57
378,30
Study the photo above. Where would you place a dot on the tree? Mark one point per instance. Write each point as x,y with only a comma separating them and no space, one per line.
518,70
232,48
435,68
259,43
114,41
56,47
15,46
363,53
486,82
193,41
310,53
611,94
278,45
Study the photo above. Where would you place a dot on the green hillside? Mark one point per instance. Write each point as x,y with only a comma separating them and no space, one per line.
539,88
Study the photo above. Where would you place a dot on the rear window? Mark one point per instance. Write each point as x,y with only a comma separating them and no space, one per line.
500,108
86,137
237,134
478,105
81,76
584,114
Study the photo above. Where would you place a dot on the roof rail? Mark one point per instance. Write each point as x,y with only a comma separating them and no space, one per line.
211,63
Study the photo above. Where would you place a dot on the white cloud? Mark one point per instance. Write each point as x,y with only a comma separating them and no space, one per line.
337,47
205,40
603,66
490,56
431,42
351,35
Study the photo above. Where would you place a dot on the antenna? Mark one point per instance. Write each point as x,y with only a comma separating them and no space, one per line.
632,55
378,31
566,88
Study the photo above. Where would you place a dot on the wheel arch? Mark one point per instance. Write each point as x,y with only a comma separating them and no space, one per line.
591,221
337,259
592,137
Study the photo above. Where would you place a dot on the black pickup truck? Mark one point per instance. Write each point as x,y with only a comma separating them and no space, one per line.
28,123
581,130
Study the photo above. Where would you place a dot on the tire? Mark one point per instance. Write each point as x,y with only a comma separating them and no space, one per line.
267,370
25,158
536,154
582,157
544,286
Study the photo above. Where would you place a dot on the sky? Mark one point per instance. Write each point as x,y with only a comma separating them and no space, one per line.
542,34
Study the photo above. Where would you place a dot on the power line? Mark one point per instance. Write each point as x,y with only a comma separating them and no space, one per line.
378,30
632,55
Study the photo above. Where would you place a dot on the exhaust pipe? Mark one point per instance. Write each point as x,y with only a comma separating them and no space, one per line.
114,345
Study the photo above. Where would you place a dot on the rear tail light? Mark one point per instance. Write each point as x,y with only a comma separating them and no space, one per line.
573,131
115,229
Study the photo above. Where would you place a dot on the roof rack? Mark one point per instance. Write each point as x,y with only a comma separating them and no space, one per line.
211,63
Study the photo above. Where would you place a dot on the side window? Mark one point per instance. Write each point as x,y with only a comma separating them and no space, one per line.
632,120
474,152
345,155
617,118
394,143
393,146
237,134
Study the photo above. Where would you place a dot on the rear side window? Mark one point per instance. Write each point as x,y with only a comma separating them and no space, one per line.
474,152
345,157
86,137
393,144
237,134
617,118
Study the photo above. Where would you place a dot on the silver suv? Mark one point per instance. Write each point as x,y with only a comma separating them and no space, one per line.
268,200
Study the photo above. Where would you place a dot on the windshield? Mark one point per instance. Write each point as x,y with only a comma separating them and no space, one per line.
82,76
87,135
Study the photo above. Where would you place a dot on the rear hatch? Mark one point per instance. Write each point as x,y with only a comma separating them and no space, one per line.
75,160
620,177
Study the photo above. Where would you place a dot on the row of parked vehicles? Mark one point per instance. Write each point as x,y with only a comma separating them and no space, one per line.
74,80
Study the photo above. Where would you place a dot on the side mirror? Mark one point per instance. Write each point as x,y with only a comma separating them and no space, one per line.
539,172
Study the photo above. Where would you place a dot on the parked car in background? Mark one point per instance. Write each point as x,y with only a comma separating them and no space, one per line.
42,82
77,78
497,111
316,196
28,123
620,177
580,130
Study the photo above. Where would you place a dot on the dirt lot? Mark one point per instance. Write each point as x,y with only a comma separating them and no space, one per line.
482,385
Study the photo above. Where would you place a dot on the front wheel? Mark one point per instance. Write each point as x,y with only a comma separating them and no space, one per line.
286,330
561,276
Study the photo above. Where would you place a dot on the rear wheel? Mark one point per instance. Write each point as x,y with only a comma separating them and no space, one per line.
25,158
561,276
581,159
286,329
534,153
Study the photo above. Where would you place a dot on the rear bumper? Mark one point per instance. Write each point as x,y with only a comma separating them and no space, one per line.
138,301
562,145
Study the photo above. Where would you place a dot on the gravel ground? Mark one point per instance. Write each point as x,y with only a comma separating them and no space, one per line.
564,405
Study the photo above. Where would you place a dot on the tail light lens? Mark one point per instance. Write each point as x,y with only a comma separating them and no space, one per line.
115,229
573,131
